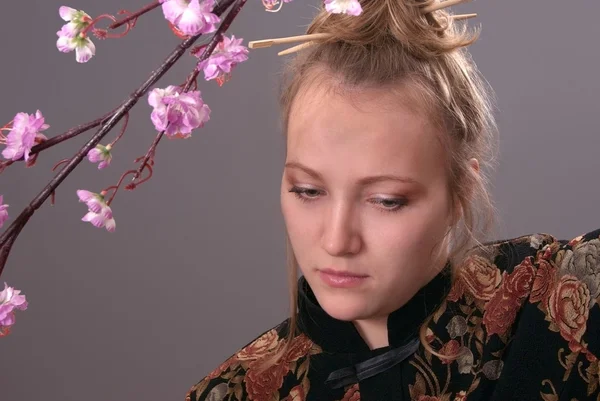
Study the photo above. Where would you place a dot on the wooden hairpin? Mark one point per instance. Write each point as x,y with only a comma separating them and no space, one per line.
311,39
440,5
297,48
259,44
463,16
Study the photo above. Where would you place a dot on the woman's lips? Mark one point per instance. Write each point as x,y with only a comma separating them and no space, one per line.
341,279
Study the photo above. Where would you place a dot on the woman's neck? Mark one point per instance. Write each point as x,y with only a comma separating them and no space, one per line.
374,331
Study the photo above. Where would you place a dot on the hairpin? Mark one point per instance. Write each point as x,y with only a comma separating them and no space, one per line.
258,44
312,39
440,5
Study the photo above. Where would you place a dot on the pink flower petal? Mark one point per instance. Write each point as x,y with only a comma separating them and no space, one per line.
190,22
110,225
10,299
191,16
93,201
8,320
22,136
173,9
84,52
65,44
67,13
5,310
350,7
107,213
69,30
179,113
84,195
94,155
96,219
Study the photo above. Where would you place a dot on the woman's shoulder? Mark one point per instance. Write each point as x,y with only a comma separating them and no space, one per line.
258,369
536,280
490,264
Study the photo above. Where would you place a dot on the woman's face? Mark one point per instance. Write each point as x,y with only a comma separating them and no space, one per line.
365,200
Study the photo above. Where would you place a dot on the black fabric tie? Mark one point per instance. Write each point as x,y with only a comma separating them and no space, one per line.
372,366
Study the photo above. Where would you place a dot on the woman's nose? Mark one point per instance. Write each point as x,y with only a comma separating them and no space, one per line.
340,234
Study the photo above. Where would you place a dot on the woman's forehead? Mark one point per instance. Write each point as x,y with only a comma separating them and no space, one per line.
367,124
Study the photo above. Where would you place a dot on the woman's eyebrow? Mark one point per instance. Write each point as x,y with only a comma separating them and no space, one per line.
362,181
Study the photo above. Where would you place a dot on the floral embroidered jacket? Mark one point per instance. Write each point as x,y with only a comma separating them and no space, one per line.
523,315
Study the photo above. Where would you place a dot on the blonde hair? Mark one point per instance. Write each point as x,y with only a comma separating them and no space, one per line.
393,44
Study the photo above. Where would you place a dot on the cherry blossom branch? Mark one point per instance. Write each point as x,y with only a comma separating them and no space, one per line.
8,238
55,140
147,159
123,129
130,20
115,188
72,133
207,51
135,15
103,33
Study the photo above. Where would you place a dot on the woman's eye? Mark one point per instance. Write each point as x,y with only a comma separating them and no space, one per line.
383,204
305,194
391,205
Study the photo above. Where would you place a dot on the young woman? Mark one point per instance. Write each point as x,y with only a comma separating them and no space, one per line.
389,130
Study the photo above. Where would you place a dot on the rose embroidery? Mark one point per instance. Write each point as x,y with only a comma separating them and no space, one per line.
352,394
299,347
265,344
582,262
568,307
502,309
543,282
261,384
296,394
480,277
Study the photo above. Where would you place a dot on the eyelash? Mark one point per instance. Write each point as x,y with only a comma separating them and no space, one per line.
399,202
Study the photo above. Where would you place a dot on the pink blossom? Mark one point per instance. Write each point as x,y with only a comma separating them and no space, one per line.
350,7
270,4
24,134
69,30
77,17
3,212
99,213
226,55
83,46
10,299
94,202
77,21
100,154
177,113
71,36
191,16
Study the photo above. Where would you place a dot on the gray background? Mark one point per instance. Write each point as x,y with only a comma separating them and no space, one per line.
196,267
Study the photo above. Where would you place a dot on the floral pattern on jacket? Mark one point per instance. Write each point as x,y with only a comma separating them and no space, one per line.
247,374
522,322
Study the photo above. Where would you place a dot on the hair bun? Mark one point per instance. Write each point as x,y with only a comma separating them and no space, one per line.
399,22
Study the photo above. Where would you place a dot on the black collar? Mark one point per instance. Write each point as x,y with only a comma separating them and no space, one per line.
337,336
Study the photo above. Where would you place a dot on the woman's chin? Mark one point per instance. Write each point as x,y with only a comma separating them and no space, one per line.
344,308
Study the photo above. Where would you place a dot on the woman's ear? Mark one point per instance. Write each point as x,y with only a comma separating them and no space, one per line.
458,211
475,171
474,164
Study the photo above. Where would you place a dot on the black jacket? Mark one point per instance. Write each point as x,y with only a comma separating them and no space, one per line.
523,315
